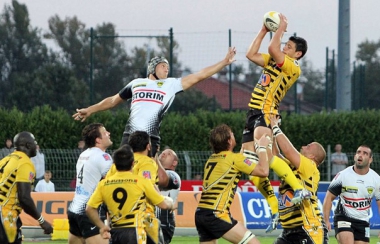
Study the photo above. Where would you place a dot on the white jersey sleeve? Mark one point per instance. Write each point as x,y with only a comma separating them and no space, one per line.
355,193
92,165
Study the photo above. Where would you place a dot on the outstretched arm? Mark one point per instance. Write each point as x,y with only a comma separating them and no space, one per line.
105,104
283,142
192,79
253,50
274,47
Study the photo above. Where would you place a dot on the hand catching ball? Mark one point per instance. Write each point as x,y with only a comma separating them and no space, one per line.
272,20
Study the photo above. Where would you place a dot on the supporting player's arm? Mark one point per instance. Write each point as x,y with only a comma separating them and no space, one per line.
327,204
24,190
284,143
192,79
253,50
274,47
262,168
93,215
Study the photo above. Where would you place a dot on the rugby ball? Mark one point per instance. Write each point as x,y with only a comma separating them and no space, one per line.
272,20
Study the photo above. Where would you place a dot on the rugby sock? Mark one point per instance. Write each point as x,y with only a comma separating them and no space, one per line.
282,170
266,189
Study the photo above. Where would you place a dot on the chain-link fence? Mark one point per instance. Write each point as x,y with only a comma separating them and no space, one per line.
62,164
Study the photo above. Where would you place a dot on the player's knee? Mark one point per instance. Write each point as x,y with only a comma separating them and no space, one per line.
247,237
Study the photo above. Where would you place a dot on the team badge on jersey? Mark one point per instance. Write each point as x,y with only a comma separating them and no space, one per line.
106,157
264,79
160,83
146,175
248,162
31,176
370,190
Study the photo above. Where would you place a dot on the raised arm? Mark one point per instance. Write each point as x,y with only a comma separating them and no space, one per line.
274,47
284,143
262,168
192,79
253,50
105,104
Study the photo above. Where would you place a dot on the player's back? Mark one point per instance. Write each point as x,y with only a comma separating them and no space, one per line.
221,176
125,195
92,166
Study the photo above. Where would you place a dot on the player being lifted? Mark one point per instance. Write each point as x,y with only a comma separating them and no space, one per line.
280,72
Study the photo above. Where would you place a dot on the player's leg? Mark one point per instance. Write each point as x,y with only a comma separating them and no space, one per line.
153,231
75,234
279,166
266,189
241,235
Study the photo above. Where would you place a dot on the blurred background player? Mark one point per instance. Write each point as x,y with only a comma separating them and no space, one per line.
280,71
45,185
125,195
169,161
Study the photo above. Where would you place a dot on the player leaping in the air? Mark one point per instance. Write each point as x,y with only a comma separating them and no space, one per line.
280,71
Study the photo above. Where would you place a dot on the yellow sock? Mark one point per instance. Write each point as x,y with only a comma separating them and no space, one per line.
282,170
266,189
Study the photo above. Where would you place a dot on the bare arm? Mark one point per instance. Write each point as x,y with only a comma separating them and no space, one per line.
327,204
253,50
93,215
24,190
167,203
274,47
163,178
285,145
192,79
262,168
105,104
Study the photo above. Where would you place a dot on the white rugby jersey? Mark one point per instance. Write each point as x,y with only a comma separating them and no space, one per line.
356,193
172,191
150,101
92,165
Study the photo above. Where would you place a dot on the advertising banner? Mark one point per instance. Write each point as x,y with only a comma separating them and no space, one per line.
243,186
249,208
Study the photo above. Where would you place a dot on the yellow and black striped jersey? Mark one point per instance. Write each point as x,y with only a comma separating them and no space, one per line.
222,173
125,195
308,212
16,167
145,167
273,84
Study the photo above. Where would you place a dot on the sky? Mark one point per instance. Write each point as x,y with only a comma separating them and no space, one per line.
314,20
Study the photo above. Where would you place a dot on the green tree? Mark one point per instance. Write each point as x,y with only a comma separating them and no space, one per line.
368,52
21,51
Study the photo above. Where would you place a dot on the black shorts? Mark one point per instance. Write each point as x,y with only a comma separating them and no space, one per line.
211,227
303,235
3,235
255,118
359,228
167,226
81,225
155,143
128,235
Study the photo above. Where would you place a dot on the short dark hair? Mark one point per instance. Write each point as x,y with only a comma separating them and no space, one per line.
138,141
301,44
219,137
90,133
370,150
123,158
